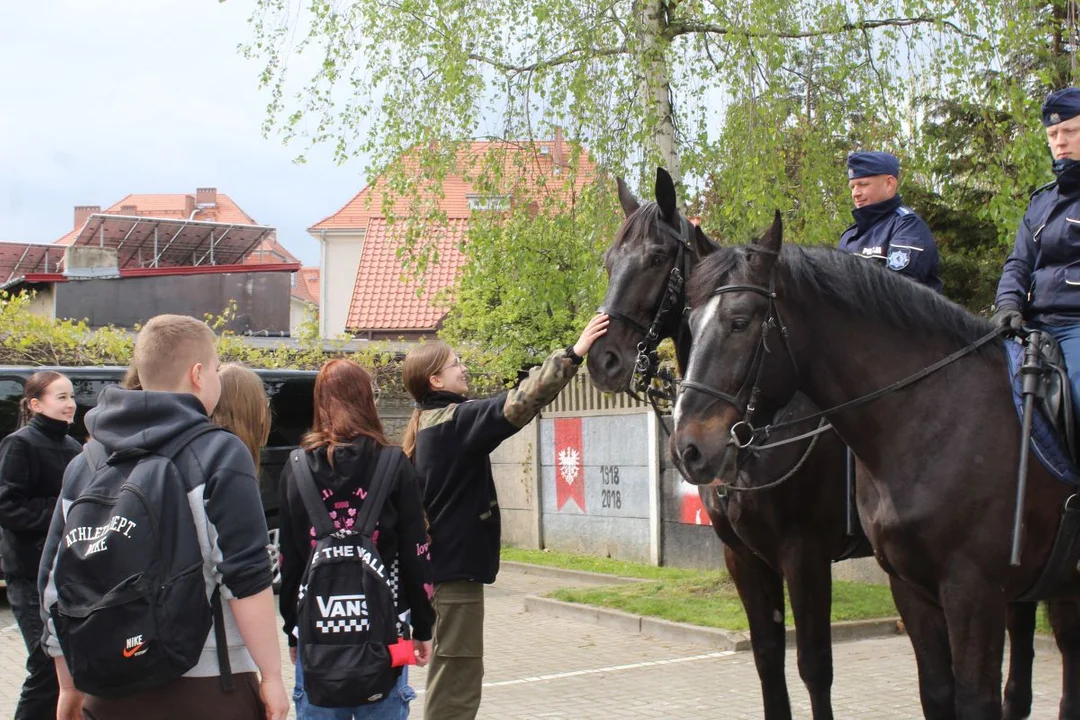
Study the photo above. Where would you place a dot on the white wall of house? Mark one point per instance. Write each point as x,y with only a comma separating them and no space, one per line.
298,314
339,261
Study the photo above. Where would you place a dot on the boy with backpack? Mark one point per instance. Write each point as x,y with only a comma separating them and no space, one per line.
156,580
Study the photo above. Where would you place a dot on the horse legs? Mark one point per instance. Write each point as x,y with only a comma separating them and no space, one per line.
761,590
925,624
809,578
1065,619
1020,621
975,613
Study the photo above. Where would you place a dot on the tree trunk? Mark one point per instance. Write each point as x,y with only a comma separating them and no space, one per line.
656,86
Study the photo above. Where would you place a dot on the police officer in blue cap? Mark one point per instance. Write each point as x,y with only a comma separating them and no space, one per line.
1041,280
886,230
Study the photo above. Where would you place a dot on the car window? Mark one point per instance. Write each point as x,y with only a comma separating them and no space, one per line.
11,392
292,409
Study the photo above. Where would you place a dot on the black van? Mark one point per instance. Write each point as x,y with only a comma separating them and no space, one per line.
291,410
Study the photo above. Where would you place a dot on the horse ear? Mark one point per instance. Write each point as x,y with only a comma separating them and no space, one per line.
665,194
626,198
705,245
762,262
773,237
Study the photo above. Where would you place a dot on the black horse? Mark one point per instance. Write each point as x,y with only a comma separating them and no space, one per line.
791,533
940,455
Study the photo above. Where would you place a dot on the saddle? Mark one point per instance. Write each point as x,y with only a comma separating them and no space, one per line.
1054,396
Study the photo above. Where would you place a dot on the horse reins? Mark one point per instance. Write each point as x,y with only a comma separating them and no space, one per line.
772,319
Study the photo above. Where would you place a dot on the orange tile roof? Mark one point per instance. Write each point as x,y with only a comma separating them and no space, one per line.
270,251
382,301
530,166
179,205
307,285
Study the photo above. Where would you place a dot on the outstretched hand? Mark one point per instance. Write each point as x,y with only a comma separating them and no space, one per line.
596,328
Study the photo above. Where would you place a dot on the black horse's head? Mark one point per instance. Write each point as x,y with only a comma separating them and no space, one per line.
741,367
649,245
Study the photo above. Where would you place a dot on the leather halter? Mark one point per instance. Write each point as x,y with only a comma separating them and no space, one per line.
743,433
646,364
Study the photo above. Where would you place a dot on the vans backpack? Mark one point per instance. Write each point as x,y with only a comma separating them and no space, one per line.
131,610
345,617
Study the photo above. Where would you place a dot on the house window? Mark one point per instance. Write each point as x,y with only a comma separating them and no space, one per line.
480,203
292,279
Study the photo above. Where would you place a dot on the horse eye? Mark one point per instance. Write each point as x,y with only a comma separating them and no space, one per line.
656,260
739,324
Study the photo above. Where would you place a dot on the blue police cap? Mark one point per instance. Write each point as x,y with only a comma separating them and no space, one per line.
865,164
1061,105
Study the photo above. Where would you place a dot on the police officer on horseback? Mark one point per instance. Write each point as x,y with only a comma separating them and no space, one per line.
1040,283
886,230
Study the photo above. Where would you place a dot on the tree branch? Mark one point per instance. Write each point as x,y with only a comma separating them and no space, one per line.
572,56
676,29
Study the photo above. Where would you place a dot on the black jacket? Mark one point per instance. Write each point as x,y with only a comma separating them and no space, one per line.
891,233
452,447
1041,277
400,534
32,464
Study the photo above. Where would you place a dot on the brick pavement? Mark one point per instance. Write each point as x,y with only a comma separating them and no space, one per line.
546,668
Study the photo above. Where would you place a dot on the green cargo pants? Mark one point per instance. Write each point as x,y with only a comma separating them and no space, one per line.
456,670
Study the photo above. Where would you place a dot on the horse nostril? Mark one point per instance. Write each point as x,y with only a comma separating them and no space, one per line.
690,454
611,362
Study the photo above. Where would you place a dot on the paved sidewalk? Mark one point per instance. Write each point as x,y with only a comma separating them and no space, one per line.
543,668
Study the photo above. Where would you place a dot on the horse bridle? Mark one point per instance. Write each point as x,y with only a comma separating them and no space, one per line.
646,365
743,433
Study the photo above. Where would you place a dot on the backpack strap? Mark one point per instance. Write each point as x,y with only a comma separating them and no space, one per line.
309,493
381,482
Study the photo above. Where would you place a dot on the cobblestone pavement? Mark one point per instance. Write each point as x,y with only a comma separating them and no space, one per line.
542,668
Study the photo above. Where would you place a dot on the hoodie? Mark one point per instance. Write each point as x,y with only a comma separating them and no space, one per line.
222,491
399,535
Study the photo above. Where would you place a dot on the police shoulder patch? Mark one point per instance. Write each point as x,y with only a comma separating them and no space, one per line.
904,211
898,259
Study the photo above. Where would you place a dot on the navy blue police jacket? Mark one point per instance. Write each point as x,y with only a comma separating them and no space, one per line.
891,233
1042,274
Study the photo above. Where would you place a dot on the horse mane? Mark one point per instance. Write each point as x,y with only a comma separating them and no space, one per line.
851,284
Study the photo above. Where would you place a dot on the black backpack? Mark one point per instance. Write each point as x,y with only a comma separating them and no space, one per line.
131,610
345,616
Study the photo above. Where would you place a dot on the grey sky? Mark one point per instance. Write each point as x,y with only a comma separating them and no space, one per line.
101,98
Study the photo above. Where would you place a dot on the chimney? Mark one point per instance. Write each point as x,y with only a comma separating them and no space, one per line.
557,150
82,212
189,206
129,209
206,197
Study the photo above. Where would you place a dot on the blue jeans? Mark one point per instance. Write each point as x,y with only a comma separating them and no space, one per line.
395,706
1068,336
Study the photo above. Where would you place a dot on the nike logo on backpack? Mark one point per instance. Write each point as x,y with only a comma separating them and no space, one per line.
134,646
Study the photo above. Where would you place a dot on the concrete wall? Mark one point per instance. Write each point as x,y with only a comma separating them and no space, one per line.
596,494
44,301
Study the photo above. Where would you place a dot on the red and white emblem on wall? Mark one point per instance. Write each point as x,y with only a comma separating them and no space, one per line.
691,509
569,463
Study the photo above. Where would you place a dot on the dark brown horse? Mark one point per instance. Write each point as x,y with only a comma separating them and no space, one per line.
791,533
941,455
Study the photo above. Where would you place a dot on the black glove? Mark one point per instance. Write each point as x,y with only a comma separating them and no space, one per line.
1008,318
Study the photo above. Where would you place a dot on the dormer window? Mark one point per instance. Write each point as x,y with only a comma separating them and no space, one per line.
481,203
